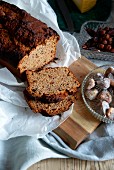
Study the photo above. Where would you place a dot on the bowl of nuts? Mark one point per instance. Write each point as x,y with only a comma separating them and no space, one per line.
97,40
98,93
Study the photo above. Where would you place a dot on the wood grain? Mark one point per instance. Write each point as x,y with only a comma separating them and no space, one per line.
72,164
80,123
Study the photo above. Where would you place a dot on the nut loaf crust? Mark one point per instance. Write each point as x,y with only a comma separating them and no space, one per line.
49,109
26,42
52,84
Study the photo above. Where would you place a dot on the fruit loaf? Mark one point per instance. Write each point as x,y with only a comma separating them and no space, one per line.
51,84
49,109
26,43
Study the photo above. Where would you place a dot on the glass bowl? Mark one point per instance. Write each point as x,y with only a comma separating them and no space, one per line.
84,36
91,104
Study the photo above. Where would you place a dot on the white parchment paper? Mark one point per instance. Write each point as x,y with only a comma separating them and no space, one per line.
16,118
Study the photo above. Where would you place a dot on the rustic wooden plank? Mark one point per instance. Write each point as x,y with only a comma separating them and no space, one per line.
83,117
72,164
67,133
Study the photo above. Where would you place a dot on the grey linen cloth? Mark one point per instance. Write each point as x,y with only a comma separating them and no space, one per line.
21,152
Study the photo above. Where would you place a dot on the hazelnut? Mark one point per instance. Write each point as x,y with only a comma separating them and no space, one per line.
102,39
90,84
91,32
101,46
110,41
101,107
102,32
105,106
103,84
107,36
98,76
108,47
104,42
105,96
91,94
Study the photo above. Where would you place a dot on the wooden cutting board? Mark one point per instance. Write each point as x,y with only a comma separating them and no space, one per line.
80,123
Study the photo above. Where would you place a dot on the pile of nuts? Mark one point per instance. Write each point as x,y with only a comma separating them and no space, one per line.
100,91
101,40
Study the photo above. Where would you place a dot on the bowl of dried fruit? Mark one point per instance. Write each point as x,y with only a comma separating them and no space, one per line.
98,93
97,40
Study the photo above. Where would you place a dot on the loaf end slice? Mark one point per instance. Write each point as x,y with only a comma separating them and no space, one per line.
49,109
51,83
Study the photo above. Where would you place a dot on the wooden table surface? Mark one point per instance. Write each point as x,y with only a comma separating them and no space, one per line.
72,164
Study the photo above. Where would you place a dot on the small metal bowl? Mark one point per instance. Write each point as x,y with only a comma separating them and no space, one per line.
84,36
90,104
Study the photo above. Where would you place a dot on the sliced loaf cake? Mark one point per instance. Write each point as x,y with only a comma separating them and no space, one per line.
51,84
26,43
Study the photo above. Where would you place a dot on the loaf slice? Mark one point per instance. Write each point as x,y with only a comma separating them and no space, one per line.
51,83
49,109
29,42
